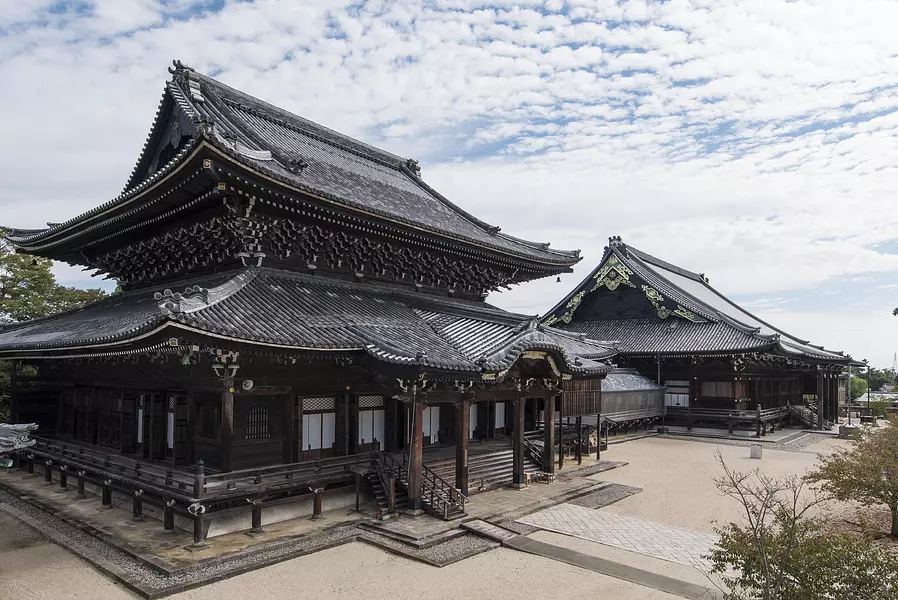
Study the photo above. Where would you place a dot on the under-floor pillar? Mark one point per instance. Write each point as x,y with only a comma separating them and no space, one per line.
518,441
416,457
227,425
549,435
462,417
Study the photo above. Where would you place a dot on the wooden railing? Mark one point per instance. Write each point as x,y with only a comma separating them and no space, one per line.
731,418
267,480
441,496
74,460
534,450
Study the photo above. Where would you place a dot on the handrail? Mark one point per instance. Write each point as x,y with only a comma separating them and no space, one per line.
266,479
535,452
443,495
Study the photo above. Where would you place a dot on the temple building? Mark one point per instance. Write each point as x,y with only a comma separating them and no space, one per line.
293,303
719,363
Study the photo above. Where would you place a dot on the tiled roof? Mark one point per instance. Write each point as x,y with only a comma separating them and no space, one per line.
301,312
627,380
718,325
335,167
652,335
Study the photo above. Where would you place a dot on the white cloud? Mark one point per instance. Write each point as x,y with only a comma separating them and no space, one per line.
754,141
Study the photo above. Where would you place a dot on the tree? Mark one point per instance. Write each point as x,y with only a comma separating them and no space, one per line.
877,378
858,388
28,290
782,553
867,472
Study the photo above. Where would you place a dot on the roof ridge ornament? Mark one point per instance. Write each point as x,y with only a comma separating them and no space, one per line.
187,80
413,166
615,241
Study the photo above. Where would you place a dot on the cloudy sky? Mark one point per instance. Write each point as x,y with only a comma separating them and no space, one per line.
755,141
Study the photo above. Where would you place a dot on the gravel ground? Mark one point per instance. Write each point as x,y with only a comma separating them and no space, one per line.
147,578
605,496
677,476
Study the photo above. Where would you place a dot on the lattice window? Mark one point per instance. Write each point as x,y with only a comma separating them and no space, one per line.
371,401
318,404
257,423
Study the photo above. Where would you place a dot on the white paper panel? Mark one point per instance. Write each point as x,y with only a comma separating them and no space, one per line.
328,430
500,415
472,421
378,426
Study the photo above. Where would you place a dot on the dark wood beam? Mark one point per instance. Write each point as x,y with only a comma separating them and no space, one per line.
462,419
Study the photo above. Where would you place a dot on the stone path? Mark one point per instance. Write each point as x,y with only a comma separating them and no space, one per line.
613,569
488,530
652,539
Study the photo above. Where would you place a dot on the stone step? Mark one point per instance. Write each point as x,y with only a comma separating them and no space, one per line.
488,530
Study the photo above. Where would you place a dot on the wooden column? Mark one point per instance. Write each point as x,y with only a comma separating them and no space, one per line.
518,440
227,425
579,440
462,418
819,400
170,424
14,391
416,458
290,428
549,435
141,417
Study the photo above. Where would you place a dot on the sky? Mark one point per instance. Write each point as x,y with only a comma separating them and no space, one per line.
754,141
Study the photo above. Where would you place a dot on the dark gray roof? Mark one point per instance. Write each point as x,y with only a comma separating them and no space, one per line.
300,312
336,168
718,325
652,335
627,380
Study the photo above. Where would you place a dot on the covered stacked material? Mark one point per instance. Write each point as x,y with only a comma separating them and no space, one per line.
15,437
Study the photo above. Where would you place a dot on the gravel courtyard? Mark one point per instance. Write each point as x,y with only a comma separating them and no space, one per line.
676,476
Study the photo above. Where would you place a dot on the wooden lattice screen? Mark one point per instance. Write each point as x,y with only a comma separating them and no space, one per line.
581,397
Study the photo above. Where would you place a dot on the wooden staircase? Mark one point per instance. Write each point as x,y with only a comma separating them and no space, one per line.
485,471
439,497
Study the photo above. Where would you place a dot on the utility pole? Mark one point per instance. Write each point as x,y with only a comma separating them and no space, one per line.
869,412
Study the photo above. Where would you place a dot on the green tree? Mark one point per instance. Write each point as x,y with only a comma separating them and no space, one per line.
858,388
877,378
866,472
779,552
28,290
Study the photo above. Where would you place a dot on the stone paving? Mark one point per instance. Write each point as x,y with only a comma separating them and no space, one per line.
636,535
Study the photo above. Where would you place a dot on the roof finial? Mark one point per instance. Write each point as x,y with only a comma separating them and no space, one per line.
413,166
614,241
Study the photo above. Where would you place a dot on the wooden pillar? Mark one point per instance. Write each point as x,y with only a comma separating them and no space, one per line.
462,417
518,479
227,425
14,391
141,410
171,402
599,436
579,440
290,426
416,458
819,400
549,435
168,516
560,442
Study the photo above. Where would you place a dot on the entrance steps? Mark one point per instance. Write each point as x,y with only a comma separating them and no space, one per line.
485,471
